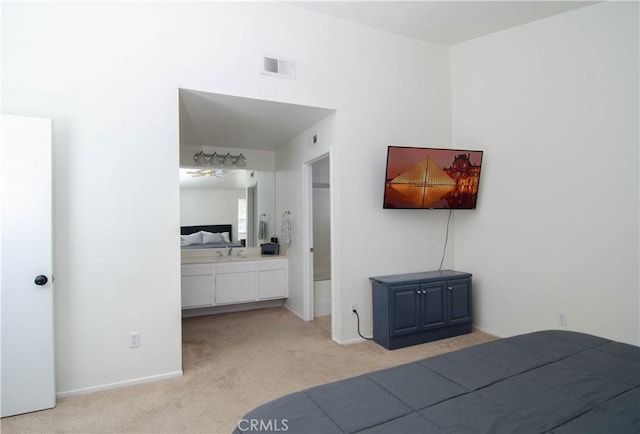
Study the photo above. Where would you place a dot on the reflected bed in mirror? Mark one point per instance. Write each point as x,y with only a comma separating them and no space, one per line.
207,237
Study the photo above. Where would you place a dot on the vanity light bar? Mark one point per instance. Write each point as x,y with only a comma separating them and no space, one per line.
214,159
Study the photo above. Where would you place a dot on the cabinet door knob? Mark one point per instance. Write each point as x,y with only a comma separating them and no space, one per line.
450,288
41,280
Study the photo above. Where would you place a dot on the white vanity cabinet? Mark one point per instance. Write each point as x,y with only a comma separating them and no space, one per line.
197,285
272,279
233,282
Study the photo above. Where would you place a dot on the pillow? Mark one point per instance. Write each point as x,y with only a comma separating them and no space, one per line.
225,237
211,237
187,240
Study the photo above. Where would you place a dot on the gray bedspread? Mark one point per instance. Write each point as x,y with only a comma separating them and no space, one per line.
543,382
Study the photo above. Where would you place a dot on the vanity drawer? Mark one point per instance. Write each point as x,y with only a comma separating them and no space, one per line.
235,267
196,269
272,264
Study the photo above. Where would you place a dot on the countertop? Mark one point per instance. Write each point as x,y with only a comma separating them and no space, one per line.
197,256
214,259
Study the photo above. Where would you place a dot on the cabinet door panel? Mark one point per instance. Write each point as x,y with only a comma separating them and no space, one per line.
272,284
197,291
235,288
405,310
433,305
459,301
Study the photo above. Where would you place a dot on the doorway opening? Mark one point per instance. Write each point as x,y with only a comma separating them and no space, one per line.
252,209
225,124
320,260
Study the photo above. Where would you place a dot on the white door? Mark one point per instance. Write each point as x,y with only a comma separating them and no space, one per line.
26,288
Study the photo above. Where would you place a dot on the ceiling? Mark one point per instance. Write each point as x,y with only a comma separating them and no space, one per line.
225,121
442,22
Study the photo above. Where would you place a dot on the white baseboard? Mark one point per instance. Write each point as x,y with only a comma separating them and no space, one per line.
349,341
321,308
489,332
202,311
286,306
117,384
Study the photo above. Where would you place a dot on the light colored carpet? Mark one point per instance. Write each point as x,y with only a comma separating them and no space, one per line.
232,363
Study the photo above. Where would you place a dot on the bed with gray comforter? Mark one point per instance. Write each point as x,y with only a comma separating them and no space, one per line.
543,382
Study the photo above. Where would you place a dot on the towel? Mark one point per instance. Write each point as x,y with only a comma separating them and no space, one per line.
262,230
286,230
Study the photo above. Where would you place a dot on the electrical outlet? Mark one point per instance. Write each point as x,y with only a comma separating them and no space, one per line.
562,319
354,307
134,339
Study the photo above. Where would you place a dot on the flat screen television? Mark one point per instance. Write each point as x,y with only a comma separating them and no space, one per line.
431,178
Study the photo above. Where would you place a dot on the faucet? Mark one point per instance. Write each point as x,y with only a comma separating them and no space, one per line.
230,251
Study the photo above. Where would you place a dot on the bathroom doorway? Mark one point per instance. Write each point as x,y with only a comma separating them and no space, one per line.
321,229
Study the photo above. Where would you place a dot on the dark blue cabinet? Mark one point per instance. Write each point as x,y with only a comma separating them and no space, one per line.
414,308
459,301
405,310
432,305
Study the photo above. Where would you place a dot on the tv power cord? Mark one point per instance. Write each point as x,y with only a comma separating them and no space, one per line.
358,316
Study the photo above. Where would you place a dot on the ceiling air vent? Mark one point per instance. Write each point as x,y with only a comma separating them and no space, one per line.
278,67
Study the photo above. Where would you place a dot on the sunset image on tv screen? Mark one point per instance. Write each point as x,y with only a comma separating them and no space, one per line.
432,178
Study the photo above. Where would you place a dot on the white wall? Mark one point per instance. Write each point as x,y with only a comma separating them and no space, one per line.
108,75
115,186
290,183
555,106
209,206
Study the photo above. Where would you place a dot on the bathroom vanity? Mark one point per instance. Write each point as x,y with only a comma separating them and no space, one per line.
212,280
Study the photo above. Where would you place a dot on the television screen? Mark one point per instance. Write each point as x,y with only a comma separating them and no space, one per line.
429,178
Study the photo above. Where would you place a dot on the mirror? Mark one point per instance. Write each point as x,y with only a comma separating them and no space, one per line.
242,198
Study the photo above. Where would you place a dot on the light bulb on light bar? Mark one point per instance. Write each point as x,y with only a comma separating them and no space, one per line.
214,159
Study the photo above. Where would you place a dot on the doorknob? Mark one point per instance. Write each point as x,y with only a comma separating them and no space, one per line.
41,280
